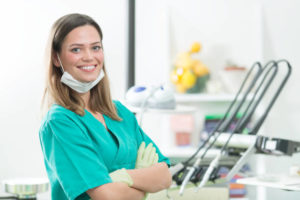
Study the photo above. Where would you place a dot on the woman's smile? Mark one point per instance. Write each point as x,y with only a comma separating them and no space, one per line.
87,68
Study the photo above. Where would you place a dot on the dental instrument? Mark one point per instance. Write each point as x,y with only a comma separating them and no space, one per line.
182,173
180,167
215,162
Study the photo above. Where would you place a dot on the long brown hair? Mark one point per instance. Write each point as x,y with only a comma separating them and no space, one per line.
55,91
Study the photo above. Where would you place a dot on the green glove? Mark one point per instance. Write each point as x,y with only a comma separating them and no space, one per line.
146,156
121,175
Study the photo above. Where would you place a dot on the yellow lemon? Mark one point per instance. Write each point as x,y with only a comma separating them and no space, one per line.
196,46
184,61
200,69
179,71
188,79
180,88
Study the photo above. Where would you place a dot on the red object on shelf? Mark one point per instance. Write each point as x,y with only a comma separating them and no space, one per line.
183,138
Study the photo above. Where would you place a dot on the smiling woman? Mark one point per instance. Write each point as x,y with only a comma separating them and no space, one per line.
93,147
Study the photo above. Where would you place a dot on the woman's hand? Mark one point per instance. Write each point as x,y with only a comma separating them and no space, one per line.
122,176
146,156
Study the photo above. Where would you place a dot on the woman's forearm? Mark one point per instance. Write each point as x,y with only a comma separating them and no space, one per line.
115,191
151,179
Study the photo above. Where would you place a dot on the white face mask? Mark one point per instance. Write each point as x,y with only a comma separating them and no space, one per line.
76,85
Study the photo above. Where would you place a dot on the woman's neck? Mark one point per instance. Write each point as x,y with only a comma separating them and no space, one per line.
86,99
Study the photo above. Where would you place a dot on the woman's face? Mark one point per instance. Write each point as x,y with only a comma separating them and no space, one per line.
81,53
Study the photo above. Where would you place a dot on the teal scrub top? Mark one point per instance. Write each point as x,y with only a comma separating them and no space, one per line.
79,152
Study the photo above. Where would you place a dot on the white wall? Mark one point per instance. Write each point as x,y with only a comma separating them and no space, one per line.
25,25
230,30
281,40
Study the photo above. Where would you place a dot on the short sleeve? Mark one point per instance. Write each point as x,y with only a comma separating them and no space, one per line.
140,134
72,157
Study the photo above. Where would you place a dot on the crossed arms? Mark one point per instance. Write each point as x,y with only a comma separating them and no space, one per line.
147,177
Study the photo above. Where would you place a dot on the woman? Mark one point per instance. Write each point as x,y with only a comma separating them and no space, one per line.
93,146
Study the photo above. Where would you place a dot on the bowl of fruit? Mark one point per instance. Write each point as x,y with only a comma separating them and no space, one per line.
189,75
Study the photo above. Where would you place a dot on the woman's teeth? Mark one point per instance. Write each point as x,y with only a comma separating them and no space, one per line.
88,67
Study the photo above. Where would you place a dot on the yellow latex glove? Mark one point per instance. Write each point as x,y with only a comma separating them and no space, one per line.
146,156
121,175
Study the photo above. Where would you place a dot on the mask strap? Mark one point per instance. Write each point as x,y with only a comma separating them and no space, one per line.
61,66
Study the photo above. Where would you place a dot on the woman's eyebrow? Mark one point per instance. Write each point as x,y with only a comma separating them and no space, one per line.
96,43
79,44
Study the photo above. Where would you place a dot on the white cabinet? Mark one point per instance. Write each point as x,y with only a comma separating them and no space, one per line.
156,123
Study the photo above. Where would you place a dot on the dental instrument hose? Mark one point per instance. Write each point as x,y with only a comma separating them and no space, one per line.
213,165
260,121
180,166
226,113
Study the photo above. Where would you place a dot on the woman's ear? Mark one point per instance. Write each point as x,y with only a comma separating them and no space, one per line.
55,60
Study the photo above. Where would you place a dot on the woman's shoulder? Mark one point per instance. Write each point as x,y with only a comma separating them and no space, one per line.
122,110
58,113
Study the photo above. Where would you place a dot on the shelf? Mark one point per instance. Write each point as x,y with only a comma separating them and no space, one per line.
180,109
283,182
186,151
203,97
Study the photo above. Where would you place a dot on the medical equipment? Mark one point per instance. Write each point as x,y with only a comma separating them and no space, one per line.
276,146
263,77
156,97
26,188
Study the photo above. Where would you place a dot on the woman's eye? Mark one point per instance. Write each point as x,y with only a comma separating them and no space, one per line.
75,50
97,48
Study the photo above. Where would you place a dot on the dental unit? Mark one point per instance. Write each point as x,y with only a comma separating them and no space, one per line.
198,172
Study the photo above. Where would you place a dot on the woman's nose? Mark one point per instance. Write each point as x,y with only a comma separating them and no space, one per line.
87,55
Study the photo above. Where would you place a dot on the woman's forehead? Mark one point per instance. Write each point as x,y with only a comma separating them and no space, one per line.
83,35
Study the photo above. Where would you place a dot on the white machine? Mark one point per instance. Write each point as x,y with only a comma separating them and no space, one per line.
158,97
154,97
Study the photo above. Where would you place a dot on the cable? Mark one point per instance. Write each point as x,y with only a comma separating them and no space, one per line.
262,119
242,122
213,165
247,117
227,111
274,66
191,171
233,116
144,104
